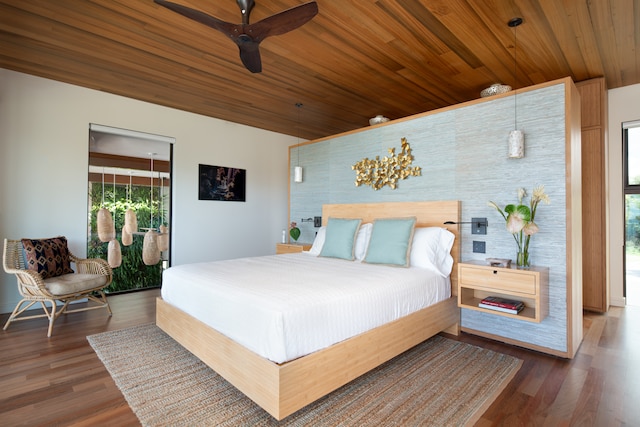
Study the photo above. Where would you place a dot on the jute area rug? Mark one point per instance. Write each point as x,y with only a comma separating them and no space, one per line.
440,382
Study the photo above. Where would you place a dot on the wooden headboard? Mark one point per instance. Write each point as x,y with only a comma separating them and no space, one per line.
428,214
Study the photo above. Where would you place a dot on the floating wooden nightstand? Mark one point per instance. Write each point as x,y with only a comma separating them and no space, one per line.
476,280
291,248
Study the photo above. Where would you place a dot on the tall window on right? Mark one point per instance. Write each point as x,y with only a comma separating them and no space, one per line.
631,158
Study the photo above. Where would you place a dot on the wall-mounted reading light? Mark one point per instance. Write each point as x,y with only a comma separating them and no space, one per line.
478,225
317,220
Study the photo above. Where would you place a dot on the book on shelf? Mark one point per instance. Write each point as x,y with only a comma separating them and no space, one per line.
501,309
502,303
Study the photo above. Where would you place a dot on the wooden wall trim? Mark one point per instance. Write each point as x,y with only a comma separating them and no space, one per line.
126,162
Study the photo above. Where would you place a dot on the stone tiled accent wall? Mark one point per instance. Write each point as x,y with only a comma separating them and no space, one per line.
462,151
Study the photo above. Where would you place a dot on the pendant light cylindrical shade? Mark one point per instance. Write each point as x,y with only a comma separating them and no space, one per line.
114,254
150,251
131,221
516,144
163,238
297,174
127,237
106,229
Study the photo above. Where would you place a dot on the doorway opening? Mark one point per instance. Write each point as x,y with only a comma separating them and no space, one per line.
130,170
631,158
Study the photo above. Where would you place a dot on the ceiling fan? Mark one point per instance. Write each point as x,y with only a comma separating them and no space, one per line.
248,36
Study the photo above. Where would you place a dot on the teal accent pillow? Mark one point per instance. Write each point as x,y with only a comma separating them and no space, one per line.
390,242
339,238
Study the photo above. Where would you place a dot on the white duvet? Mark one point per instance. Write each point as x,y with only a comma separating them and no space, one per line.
286,306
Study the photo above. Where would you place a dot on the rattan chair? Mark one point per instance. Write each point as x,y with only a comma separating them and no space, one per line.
87,282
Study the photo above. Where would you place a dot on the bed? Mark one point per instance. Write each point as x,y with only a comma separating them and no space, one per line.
284,383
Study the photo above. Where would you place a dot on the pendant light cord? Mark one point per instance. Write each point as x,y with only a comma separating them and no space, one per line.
114,197
298,106
515,76
103,187
151,196
514,23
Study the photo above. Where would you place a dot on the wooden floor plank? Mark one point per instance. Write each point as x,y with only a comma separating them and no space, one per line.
60,381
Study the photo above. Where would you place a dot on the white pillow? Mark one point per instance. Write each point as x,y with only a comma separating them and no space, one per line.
318,242
362,241
431,249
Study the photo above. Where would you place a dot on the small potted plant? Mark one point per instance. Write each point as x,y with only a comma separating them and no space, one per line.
294,231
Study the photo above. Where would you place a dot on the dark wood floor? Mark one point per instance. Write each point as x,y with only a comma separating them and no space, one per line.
60,381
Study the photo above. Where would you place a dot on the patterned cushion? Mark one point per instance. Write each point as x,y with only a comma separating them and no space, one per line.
49,257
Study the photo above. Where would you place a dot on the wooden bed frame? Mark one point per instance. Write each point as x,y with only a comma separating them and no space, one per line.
282,389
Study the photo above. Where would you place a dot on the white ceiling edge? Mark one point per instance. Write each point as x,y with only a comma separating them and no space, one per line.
124,142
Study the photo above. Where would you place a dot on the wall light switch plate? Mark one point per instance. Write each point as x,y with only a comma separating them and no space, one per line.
478,225
317,221
479,247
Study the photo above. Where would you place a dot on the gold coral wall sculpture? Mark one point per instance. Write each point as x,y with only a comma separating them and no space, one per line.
388,170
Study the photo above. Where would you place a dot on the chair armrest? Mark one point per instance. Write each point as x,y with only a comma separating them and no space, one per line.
92,266
30,283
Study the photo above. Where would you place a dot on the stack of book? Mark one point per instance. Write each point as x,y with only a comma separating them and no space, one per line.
502,304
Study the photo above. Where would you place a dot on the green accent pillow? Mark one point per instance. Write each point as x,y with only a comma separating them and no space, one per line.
340,237
390,242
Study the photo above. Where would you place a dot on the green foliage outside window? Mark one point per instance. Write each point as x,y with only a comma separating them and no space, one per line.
633,223
132,273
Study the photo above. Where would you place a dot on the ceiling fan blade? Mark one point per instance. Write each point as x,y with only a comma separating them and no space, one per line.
282,22
227,28
250,54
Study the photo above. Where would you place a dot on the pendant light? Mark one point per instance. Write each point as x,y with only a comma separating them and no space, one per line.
297,171
163,237
150,251
127,237
106,229
516,137
114,254
130,221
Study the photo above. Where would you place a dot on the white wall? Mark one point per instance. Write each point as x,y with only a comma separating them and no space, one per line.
623,107
44,128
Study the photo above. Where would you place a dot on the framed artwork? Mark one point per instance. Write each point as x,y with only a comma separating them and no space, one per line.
221,183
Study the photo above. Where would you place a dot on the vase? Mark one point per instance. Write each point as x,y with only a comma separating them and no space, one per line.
522,259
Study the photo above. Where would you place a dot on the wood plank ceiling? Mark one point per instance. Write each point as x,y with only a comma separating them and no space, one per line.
354,60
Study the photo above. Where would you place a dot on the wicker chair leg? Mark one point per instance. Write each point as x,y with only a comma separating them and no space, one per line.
18,311
52,317
103,297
